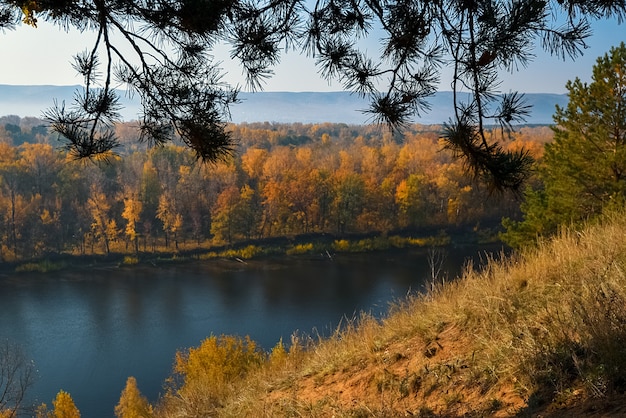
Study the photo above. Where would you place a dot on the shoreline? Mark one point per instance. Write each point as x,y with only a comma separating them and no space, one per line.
310,246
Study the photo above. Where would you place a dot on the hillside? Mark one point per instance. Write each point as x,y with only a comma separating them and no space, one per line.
541,334
282,107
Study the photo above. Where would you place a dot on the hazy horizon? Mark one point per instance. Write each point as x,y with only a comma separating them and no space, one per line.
266,106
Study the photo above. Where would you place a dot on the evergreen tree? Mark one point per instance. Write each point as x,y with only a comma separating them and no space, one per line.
584,168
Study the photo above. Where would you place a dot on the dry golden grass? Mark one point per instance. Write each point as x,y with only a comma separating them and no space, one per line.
541,330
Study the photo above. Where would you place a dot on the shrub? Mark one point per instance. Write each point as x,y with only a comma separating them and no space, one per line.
205,376
341,245
301,249
247,252
130,260
278,355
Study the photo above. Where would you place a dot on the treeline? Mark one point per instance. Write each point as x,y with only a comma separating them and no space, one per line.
282,180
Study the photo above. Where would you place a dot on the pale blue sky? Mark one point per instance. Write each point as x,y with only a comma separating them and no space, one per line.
42,56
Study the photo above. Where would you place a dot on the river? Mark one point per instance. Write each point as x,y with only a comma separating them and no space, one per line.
87,330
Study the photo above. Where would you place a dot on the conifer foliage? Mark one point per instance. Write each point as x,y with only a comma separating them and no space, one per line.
182,92
584,168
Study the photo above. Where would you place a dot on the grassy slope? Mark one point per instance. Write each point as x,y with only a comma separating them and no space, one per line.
541,333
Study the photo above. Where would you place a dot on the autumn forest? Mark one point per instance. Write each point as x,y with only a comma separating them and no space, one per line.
282,180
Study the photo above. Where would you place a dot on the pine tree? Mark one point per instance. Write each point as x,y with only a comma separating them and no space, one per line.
584,168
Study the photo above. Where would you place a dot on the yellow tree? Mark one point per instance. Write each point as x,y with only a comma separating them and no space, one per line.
132,403
212,371
63,405
253,161
323,193
42,164
412,200
102,225
168,214
299,190
379,212
129,192
278,168
131,213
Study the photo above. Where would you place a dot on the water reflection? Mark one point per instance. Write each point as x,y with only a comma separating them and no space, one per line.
89,330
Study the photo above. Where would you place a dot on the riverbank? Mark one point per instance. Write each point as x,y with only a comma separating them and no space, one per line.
538,334
112,322
309,245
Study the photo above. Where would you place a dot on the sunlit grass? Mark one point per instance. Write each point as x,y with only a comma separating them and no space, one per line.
298,249
549,324
244,253
379,243
382,243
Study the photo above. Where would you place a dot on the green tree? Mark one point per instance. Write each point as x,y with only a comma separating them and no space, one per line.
349,201
247,211
170,65
236,214
584,168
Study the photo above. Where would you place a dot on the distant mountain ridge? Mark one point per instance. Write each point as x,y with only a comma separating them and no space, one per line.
281,107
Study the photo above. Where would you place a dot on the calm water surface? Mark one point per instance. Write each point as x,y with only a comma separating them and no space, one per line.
88,330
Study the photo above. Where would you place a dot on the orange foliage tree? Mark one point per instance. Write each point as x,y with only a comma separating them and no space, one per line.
286,180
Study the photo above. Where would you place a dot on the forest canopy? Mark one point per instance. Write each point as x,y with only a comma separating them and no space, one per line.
284,180
180,86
